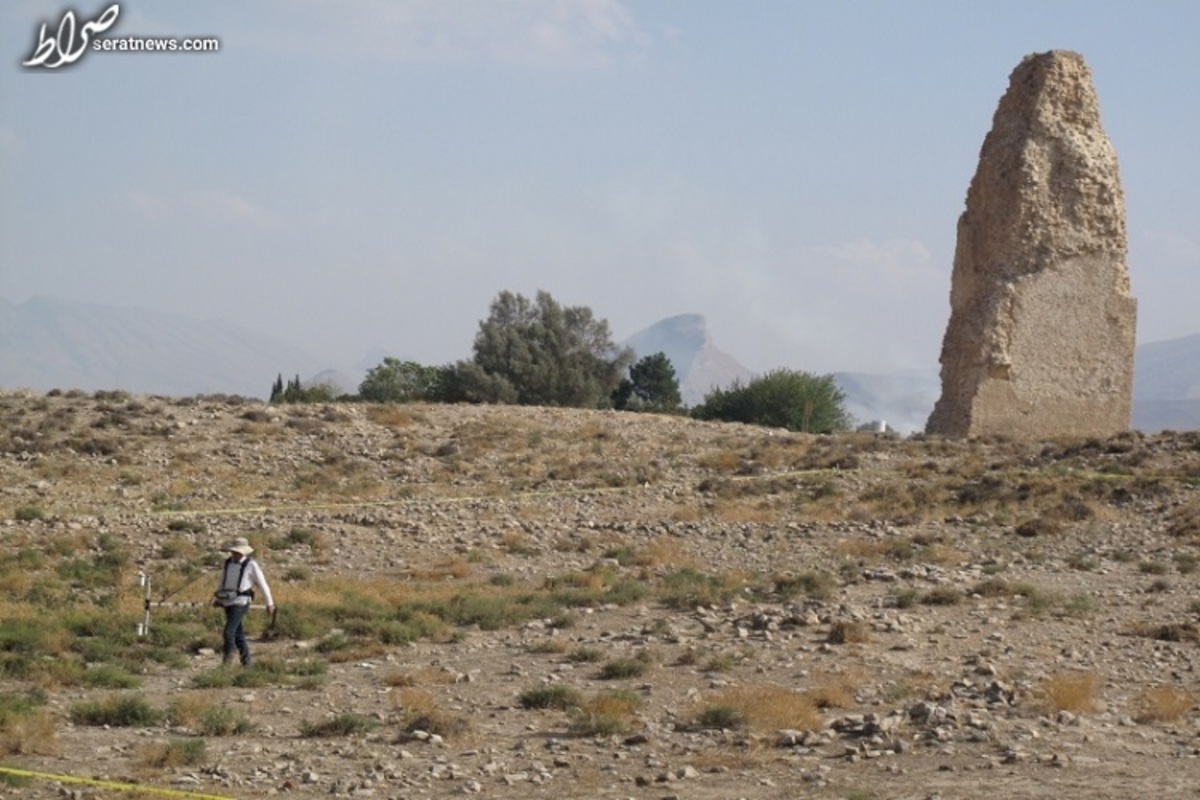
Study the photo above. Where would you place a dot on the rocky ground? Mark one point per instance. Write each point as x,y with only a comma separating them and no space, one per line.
832,617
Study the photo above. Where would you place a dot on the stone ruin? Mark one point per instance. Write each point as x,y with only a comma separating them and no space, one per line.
1041,335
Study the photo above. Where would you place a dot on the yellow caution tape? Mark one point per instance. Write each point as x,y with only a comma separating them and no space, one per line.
120,787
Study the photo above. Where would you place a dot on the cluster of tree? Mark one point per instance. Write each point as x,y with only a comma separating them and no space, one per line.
293,392
538,352
651,386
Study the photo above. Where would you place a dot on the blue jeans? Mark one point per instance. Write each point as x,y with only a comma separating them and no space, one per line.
235,633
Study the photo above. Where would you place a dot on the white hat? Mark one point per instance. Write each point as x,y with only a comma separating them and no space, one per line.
240,545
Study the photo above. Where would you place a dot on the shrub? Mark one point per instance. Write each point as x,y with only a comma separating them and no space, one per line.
764,708
127,711
687,589
421,713
553,696
906,598
29,513
177,753
1186,562
783,398
605,714
625,668
585,655
1184,521
942,596
109,676
1039,526
720,718
817,585
204,713
345,724
223,721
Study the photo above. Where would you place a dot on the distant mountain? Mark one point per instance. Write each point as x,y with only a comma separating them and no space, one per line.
699,365
1166,385
347,380
48,343
1169,369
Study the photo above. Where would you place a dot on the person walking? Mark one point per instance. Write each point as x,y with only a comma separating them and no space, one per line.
239,575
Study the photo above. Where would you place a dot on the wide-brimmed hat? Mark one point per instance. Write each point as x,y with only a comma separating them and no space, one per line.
241,546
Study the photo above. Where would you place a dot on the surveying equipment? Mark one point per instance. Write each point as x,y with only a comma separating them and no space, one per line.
148,603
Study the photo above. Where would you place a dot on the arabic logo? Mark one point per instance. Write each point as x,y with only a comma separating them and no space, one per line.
63,46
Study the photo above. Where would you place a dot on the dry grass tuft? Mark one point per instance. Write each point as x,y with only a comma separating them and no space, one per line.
175,753
835,690
683,512
389,416
723,760
664,551
420,712
1162,704
29,734
1076,692
452,568
1166,632
188,708
518,544
424,676
721,460
604,714
849,632
764,708
1185,522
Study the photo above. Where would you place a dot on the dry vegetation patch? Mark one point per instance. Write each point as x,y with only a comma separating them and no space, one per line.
592,592
762,708
1077,692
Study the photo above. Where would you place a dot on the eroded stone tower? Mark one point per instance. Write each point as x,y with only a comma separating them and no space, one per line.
1041,334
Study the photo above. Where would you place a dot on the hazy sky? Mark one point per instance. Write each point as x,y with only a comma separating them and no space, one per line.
369,174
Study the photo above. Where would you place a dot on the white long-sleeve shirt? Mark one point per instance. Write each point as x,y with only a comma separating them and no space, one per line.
251,576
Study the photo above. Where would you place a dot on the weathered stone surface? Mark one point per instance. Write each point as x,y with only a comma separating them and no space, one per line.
1042,327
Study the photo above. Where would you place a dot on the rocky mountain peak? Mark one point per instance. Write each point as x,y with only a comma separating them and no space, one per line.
699,364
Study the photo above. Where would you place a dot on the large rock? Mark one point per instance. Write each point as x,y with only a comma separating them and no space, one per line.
1041,333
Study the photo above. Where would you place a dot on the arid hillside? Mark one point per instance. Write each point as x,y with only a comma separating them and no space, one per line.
528,602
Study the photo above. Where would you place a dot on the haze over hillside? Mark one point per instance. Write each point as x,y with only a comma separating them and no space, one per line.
49,343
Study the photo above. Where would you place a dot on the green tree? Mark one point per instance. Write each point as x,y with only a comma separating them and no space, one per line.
295,393
783,398
651,386
395,381
541,353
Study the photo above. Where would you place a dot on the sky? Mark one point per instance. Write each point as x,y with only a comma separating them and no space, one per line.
368,175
